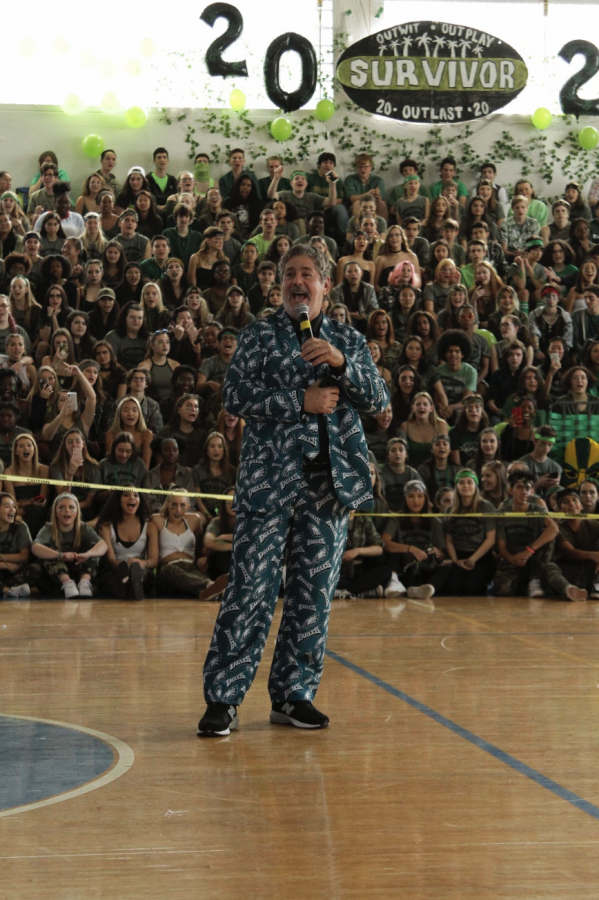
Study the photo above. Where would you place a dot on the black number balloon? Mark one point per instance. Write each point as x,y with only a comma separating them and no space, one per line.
272,61
570,102
214,60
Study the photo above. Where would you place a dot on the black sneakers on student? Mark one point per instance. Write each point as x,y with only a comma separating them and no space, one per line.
219,720
299,713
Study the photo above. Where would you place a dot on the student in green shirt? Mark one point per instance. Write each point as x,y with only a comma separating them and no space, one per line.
364,183
161,184
447,171
263,240
407,167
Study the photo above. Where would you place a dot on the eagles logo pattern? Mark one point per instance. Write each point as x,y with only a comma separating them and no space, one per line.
287,514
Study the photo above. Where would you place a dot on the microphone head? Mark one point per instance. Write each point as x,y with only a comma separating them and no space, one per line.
302,311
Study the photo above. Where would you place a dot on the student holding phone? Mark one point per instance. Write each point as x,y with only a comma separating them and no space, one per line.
67,413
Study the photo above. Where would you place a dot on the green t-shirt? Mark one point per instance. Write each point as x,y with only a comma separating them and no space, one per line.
161,182
260,243
458,382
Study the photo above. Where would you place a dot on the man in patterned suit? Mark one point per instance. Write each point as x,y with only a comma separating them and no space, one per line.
304,464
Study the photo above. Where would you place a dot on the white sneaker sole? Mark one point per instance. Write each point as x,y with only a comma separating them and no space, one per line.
279,718
233,725
424,592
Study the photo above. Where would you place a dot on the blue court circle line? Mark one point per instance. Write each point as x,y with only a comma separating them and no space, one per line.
123,758
506,758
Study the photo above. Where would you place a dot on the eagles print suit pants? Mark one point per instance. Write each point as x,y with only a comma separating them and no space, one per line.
309,539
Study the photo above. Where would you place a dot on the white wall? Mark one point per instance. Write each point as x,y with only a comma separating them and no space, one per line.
26,131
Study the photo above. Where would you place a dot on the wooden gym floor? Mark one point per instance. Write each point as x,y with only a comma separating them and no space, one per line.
461,761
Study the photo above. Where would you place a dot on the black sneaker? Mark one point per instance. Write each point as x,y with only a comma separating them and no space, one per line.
299,713
219,720
136,582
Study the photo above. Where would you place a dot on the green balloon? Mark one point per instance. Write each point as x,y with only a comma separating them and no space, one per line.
325,110
541,118
136,117
281,128
93,145
588,138
237,100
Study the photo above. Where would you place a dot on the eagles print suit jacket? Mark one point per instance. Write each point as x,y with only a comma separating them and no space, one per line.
265,385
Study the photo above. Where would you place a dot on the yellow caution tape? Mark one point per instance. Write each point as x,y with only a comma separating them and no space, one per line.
24,479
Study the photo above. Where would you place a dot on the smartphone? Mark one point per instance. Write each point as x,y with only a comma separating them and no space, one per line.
517,416
72,400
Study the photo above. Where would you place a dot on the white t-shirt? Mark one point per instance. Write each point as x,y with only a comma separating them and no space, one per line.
73,225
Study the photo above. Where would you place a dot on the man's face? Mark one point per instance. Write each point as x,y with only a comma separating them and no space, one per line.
592,302
447,172
299,182
316,225
161,160
161,249
273,164
236,160
48,179
448,234
63,206
227,345
368,208
408,170
476,254
364,169
128,226
561,216
571,505
521,492
411,232
543,447
454,357
487,173
519,208
302,283
325,166
226,225
268,221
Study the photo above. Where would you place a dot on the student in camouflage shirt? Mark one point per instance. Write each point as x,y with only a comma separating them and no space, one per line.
525,545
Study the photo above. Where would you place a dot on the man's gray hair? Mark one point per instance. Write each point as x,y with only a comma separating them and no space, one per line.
323,265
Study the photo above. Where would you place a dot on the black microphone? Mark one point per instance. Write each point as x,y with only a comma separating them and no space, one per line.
303,317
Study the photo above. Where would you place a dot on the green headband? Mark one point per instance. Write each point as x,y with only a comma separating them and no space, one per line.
467,473
298,172
542,437
411,178
535,242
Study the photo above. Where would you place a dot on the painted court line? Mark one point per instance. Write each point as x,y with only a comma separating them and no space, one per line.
124,761
520,767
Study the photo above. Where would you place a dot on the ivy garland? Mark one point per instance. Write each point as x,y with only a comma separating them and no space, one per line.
539,156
